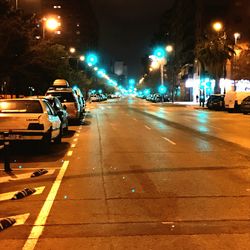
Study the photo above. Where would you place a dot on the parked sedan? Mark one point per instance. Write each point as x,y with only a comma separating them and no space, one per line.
216,102
29,120
245,106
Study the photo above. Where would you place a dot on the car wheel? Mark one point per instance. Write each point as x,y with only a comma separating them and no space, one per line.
58,139
46,139
245,113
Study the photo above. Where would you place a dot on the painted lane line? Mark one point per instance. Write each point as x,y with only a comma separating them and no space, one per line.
40,222
135,119
20,219
168,140
70,153
21,176
76,139
147,127
9,195
73,145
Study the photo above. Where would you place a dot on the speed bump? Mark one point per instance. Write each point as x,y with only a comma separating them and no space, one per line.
39,172
7,222
23,193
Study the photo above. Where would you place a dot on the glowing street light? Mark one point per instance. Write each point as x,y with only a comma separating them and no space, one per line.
217,26
92,59
50,24
169,48
82,58
72,50
159,52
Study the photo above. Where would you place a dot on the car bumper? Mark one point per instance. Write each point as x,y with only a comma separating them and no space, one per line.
22,136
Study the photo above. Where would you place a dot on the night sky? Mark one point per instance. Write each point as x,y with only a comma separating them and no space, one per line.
126,27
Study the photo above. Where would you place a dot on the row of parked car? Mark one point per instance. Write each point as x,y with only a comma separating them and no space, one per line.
41,118
232,101
98,97
156,98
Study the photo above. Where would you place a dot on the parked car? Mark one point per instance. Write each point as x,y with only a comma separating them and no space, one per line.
216,102
29,120
245,105
68,98
60,110
233,100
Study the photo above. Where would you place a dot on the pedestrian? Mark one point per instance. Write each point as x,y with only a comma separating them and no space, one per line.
197,98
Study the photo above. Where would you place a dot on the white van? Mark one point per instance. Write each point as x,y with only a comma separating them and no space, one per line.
233,100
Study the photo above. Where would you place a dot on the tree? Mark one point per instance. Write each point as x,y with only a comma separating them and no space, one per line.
213,53
242,63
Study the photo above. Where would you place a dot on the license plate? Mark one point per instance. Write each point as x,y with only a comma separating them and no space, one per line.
10,137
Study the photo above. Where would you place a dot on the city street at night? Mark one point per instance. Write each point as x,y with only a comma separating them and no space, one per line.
134,175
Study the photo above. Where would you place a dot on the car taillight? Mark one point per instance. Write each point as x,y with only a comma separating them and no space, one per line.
36,126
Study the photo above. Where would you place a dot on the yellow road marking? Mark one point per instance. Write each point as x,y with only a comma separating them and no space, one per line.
40,222
70,153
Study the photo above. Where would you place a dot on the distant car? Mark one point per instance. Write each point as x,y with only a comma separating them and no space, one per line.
60,110
216,102
95,98
245,106
29,120
68,98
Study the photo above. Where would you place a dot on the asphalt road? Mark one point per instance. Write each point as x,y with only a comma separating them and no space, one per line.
135,175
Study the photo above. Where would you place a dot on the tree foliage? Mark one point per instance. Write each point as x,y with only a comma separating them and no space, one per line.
242,64
213,53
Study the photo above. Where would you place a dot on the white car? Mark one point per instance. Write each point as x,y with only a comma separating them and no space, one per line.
29,120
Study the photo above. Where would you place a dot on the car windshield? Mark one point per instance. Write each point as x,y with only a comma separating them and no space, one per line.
63,96
20,106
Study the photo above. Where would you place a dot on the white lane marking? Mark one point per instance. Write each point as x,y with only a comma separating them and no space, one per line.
135,119
73,145
77,135
167,223
147,127
168,140
76,139
21,176
70,153
20,219
9,195
40,222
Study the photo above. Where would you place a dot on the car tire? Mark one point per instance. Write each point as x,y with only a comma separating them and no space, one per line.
245,113
58,139
47,139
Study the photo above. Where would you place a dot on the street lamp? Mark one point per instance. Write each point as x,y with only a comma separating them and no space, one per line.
72,50
169,48
82,58
160,54
49,24
217,26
